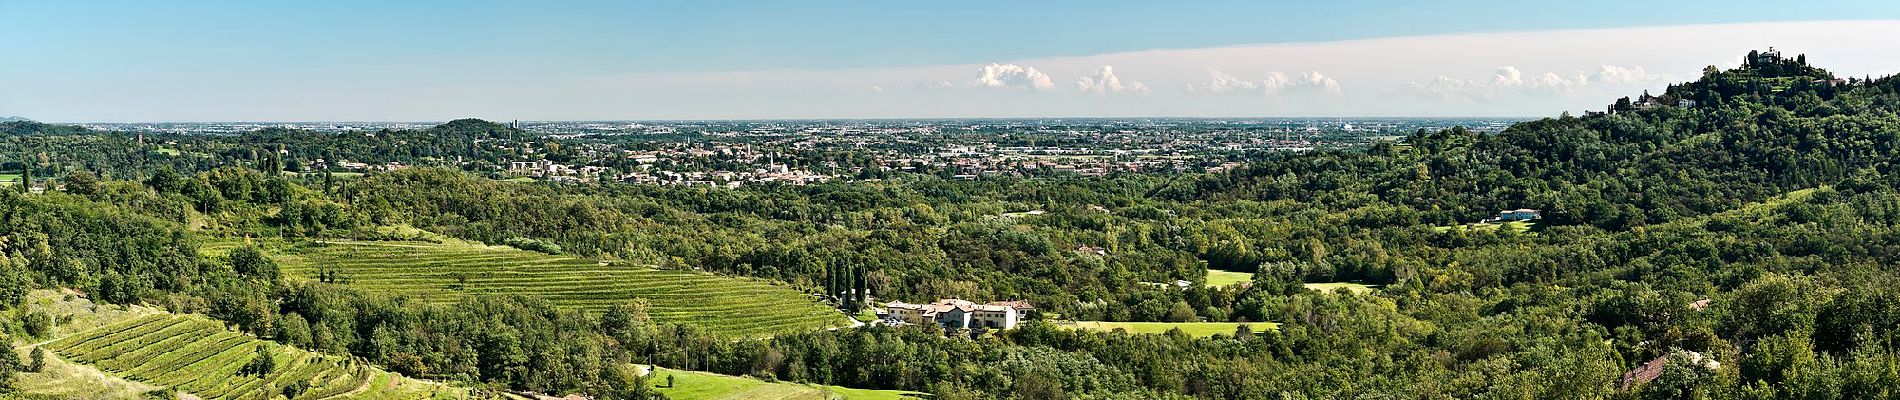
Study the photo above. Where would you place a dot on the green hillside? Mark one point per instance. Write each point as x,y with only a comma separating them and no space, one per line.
125,352
197,355
446,273
695,385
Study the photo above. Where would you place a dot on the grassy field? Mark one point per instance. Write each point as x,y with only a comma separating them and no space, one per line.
1217,278
445,273
1520,226
9,179
694,385
1198,329
60,379
1329,287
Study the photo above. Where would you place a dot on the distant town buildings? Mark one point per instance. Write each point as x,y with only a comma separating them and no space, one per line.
738,153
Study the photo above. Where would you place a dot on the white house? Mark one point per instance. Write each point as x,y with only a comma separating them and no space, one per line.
960,314
1521,214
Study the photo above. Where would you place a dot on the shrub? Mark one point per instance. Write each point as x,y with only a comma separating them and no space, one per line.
533,245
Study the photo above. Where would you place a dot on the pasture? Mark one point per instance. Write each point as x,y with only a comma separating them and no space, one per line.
445,273
1218,278
1518,226
1329,287
1196,329
695,385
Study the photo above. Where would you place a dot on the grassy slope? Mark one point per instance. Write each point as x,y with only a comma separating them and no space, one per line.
1217,278
1329,287
695,385
449,272
1200,329
1520,226
61,379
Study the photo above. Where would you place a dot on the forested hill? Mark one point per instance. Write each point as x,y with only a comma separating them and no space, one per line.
1729,138
1751,217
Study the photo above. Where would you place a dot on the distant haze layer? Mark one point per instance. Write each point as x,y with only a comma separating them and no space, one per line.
1533,73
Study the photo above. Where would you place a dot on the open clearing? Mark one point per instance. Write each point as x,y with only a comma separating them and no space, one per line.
1329,287
1197,329
1519,226
695,385
1218,278
121,351
446,273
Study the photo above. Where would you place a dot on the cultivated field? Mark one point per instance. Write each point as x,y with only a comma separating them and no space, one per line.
1199,329
197,355
446,273
694,385
1218,278
1329,287
1519,226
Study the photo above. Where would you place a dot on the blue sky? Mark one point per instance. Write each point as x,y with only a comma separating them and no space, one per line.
263,60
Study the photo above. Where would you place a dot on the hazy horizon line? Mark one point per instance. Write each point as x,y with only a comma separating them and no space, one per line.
504,121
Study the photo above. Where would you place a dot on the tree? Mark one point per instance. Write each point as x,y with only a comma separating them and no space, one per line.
10,366
165,180
15,279
37,359
1181,311
37,324
250,262
83,183
26,175
261,364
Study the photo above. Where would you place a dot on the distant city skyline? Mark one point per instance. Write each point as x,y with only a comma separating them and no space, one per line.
504,60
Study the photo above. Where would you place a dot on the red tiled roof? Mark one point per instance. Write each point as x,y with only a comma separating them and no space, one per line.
1016,304
1644,374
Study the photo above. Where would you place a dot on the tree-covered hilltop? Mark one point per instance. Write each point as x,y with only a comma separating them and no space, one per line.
1747,218
1732,137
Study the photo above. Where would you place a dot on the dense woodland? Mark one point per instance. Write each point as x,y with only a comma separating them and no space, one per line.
1773,197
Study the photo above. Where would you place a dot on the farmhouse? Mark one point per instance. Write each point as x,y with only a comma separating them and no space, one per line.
960,314
1521,214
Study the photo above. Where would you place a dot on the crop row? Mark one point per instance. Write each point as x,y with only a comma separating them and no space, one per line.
200,356
440,273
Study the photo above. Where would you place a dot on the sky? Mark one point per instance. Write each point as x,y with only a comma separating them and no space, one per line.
189,60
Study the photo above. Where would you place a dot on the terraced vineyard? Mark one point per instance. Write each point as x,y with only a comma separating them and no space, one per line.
197,355
446,273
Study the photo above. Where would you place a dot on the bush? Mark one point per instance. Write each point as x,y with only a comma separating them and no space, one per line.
38,324
37,361
533,245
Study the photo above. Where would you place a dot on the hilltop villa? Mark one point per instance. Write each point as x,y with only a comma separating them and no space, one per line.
1522,214
960,314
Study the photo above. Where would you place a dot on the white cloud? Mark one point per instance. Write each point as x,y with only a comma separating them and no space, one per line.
1275,82
1105,82
1507,76
1509,80
1314,79
1612,74
1221,82
1401,76
1014,76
